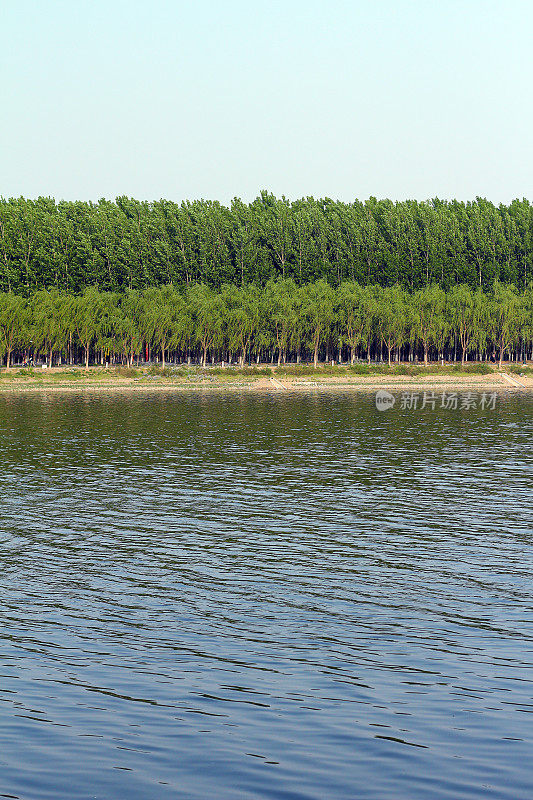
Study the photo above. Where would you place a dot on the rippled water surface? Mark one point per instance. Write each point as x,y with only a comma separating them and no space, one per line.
219,597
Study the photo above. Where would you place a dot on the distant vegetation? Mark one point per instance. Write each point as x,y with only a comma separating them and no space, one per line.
279,323
272,280
129,244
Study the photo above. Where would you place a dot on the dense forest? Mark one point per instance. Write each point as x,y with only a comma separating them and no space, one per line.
129,244
271,280
282,322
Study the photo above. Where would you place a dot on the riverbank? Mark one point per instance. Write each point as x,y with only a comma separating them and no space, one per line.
290,378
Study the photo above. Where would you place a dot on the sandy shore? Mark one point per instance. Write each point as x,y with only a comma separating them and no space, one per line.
277,384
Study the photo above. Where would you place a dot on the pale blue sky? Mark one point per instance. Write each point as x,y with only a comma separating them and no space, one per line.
213,99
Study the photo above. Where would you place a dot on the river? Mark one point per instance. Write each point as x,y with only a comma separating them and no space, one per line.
288,597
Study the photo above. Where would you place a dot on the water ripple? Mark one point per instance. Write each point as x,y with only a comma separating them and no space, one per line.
264,597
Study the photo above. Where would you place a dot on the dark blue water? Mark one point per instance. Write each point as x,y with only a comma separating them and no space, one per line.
264,597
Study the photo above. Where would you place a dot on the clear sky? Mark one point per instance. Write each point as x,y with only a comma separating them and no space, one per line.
221,98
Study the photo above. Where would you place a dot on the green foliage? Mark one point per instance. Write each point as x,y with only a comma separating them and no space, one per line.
301,369
13,324
404,369
131,245
127,372
69,374
228,372
473,369
283,323
520,369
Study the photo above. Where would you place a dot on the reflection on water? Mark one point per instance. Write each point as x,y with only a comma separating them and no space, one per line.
264,597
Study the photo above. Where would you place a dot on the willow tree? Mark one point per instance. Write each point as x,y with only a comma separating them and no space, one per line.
88,309
462,314
527,328
356,311
428,306
319,312
504,317
13,319
128,329
205,309
391,318
50,320
159,314
241,314
281,298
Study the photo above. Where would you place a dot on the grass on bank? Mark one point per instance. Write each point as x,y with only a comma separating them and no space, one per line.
384,369
97,374
519,369
196,374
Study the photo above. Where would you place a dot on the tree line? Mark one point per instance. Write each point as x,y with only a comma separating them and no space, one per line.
282,322
128,244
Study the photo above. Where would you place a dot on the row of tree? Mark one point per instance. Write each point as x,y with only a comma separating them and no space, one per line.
132,244
282,321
